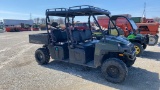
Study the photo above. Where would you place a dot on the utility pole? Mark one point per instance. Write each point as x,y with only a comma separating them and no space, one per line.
144,11
143,19
30,16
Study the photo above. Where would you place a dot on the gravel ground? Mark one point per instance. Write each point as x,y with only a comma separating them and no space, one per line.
19,70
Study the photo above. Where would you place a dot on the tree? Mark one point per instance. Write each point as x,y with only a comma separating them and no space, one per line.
35,20
156,19
42,20
38,19
60,20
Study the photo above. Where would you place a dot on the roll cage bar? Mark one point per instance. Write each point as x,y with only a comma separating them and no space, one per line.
83,10
114,17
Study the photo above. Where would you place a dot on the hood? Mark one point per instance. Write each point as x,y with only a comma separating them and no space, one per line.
139,35
118,39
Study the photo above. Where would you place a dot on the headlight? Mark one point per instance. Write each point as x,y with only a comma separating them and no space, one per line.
119,45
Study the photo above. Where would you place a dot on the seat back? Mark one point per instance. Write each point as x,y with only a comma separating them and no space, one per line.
76,36
64,36
58,35
88,34
82,34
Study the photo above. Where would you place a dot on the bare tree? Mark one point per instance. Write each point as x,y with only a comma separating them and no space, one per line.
156,19
38,19
35,20
60,20
42,20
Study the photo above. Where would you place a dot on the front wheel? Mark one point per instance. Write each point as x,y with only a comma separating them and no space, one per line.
114,70
153,40
139,49
42,56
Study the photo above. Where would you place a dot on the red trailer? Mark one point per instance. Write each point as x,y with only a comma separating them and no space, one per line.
17,28
12,25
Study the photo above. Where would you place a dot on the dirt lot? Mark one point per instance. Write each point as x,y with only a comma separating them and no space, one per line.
19,70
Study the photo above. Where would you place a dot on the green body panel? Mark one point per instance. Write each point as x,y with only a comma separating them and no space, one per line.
132,36
136,37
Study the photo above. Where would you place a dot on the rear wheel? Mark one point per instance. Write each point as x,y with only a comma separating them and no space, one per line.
114,70
153,40
139,49
42,56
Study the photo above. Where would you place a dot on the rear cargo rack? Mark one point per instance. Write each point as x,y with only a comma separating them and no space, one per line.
76,11
88,7
56,11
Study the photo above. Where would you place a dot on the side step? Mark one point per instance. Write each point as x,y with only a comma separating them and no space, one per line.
91,64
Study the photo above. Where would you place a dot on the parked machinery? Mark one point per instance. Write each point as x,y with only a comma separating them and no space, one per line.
1,28
128,29
17,28
112,53
148,27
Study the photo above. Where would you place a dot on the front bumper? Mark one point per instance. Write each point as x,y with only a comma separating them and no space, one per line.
128,52
130,56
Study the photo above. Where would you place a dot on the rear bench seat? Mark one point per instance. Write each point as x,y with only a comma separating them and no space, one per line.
58,35
82,38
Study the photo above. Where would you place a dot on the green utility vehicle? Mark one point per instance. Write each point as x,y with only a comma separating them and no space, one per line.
126,28
112,53
132,33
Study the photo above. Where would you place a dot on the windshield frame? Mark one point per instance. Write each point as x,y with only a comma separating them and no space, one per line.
133,24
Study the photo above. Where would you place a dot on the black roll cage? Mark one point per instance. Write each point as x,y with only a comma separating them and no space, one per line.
83,10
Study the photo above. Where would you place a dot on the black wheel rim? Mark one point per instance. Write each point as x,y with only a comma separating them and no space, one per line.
113,71
39,57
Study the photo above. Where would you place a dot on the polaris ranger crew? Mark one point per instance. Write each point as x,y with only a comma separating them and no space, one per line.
112,53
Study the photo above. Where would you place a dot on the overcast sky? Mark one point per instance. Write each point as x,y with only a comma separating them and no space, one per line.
21,9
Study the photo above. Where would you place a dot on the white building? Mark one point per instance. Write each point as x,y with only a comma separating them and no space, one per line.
13,22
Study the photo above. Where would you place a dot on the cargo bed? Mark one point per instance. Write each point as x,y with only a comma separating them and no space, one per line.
40,38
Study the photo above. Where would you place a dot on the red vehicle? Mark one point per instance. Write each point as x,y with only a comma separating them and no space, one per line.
81,25
150,27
